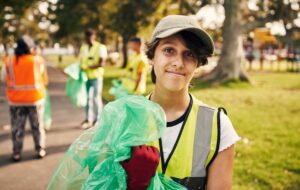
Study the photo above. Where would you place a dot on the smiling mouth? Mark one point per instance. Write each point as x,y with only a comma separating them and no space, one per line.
175,73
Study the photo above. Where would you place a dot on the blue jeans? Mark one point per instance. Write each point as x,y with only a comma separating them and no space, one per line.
94,104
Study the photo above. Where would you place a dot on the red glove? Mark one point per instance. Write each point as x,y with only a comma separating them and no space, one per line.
141,167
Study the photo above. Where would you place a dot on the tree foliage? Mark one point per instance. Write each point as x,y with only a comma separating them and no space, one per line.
11,13
240,19
129,17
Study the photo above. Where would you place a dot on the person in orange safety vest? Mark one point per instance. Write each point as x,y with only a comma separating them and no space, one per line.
25,77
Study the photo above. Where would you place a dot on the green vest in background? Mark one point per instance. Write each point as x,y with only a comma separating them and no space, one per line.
131,77
196,148
90,56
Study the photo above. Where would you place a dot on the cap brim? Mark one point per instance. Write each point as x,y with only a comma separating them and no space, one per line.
203,36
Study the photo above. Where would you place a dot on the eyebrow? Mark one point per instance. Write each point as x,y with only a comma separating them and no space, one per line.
172,43
167,42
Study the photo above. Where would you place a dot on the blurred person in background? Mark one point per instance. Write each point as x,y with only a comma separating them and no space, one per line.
262,54
136,69
249,49
92,60
25,77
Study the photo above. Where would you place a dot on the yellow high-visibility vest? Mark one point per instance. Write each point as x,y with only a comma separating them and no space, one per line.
196,147
129,81
90,56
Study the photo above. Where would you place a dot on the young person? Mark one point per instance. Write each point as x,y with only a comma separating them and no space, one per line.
92,60
197,147
136,75
25,76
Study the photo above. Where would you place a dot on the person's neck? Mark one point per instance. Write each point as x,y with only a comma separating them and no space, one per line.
90,43
173,103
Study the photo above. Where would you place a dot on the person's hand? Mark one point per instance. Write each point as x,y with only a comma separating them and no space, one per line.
141,167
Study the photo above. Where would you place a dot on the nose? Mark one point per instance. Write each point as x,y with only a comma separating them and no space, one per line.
178,62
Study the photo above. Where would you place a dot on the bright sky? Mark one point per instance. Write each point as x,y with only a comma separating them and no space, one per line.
211,16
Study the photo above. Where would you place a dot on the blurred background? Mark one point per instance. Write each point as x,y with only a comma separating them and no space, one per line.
254,74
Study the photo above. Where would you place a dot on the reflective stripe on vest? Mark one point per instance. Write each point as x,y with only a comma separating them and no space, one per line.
196,149
13,86
205,145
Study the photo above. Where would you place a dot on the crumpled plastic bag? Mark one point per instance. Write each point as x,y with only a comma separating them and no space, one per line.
47,117
92,161
118,90
76,85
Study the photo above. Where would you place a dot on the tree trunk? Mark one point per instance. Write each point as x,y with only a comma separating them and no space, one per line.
124,49
229,65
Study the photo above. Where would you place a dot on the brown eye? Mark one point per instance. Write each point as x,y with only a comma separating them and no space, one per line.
190,54
168,50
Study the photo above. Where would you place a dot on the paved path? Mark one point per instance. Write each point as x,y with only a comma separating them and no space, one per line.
32,173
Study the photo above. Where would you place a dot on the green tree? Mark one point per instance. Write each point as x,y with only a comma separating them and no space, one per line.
128,17
11,14
74,16
239,19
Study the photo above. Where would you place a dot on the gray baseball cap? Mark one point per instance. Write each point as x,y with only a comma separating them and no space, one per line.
173,24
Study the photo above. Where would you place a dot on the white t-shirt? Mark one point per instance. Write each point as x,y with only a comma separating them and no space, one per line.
103,52
228,135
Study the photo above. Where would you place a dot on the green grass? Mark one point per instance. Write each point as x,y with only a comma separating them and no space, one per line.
267,117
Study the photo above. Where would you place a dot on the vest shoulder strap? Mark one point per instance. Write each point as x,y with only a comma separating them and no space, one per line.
218,136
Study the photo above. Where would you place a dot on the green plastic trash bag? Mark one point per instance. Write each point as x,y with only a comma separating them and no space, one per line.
92,161
118,90
73,71
76,85
47,112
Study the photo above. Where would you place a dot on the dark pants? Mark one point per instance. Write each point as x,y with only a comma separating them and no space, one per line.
18,115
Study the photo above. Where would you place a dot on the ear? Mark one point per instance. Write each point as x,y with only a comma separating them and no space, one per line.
150,62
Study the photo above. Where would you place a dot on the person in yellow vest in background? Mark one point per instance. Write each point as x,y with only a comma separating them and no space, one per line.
136,69
197,146
25,77
92,59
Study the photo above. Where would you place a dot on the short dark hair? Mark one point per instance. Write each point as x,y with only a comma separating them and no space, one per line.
193,42
135,39
89,32
22,48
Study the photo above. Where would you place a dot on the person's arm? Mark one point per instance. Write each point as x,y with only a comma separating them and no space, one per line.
101,63
102,58
3,74
82,64
43,69
139,75
220,171
45,76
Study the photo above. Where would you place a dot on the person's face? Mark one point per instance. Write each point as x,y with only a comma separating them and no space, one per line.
90,39
174,64
135,46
